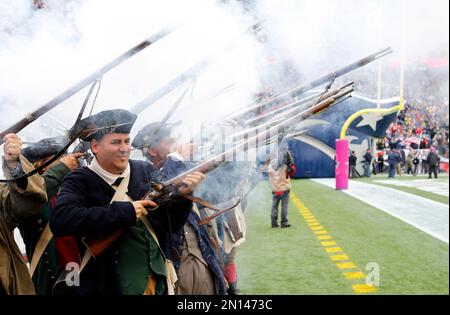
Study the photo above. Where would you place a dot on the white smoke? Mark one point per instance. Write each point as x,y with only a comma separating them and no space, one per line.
43,52
319,35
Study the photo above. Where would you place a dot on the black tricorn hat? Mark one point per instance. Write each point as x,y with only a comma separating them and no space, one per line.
108,121
44,148
152,133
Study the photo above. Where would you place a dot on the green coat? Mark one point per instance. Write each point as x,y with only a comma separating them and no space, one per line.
139,254
46,271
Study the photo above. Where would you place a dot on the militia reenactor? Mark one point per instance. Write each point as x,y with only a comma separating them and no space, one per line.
104,200
196,261
40,246
222,188
19,200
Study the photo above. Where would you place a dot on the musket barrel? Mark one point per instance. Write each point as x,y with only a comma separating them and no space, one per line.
326,78
289,109
282,108
218,159
29,118
343,70
189,74
100,244
298,102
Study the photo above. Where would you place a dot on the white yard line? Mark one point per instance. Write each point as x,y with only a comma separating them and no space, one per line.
439,187
430,216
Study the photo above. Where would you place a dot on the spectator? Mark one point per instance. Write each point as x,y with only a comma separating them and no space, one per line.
367,158
352,163
416,160
409,162
393,160
280,172
380,162
424,165
433,162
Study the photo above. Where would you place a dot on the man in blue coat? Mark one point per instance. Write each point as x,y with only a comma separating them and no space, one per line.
393,159
367,158
104,198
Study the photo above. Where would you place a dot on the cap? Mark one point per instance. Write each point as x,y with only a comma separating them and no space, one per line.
44,148
152,133
108,121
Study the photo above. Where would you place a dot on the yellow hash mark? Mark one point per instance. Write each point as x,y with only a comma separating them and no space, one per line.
346,265
297,202
333,249
328,243
330,246
354,275
339,257
363,288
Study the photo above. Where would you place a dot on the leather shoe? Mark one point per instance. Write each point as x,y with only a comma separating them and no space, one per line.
275,225
232,290
285,225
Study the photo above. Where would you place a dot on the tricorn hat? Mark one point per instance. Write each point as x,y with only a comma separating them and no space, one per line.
108,121
44,148
152,133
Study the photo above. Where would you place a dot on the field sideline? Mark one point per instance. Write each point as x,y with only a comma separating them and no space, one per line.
334,238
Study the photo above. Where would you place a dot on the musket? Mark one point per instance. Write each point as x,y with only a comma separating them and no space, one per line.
293,107
160,192
29,118
313,84
186,76
296,103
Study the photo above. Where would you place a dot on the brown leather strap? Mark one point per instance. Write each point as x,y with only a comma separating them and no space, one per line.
208,205
201,202
211,217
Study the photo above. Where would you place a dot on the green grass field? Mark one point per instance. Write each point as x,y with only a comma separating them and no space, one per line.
293,261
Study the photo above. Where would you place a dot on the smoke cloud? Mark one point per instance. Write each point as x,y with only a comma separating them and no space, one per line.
43,52
323,34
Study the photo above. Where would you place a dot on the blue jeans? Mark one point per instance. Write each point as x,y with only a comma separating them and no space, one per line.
284,198
367,168
392,168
